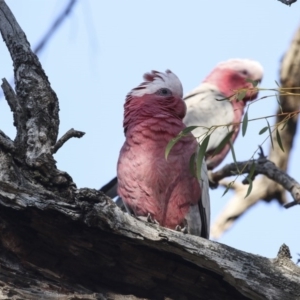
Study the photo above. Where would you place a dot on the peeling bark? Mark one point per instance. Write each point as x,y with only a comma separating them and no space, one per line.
59,242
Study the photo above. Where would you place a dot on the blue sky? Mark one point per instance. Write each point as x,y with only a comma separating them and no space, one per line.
104,48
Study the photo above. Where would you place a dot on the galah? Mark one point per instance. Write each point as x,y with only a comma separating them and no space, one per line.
204,109
149,184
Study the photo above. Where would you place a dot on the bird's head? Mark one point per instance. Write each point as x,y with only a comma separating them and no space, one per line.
159,95
235,74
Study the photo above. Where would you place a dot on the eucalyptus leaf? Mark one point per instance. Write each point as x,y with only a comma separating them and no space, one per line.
245,123
201,156
279,140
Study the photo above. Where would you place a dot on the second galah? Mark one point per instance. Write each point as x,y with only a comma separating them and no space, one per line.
205,109
164,190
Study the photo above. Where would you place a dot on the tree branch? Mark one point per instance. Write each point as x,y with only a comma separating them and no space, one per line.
263,187
265,167
6,142
56,24
35,107
37,100
69,134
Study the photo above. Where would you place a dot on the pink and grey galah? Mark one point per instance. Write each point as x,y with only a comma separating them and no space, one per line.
204,109
149,184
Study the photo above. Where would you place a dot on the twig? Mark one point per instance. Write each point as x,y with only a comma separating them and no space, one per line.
55,26
265,167
10,95
288,2
69,134
6,142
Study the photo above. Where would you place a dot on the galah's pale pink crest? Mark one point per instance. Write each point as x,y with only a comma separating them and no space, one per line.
147,182
204,110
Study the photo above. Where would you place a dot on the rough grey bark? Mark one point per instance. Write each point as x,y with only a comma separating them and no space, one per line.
59,242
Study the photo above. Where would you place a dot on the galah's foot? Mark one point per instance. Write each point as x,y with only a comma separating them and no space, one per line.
182,229
148,219
261,153
213,185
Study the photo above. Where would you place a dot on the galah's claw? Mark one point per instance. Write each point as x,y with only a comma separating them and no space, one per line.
148,219
182,229
213,185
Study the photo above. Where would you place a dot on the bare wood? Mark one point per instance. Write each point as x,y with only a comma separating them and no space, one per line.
263,187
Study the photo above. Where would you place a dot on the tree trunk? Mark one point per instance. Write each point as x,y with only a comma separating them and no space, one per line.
59,242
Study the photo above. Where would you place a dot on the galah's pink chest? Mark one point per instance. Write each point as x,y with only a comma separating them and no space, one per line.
149,183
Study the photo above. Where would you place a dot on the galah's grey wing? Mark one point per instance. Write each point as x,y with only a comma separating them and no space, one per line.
198,217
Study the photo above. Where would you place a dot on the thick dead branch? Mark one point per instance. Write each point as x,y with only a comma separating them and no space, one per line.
97,248
263,187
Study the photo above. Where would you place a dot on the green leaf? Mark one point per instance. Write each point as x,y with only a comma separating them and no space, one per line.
227,188
277,83
254,82
278,100
249,188
270,133
171,145
201,155
192,164
233,155
241,95
263,130
223,143
279,140
245,123
279,103
187,130
252,169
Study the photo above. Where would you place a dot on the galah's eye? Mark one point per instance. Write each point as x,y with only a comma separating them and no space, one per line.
164,92
244,72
